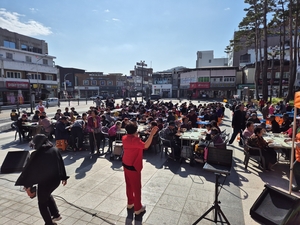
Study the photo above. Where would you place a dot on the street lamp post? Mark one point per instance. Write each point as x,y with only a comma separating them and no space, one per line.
142,64
65,85
273,53
30,100
37,74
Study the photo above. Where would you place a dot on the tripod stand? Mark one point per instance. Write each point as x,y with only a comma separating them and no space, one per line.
216,206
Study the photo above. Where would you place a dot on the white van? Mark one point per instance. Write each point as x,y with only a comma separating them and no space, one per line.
50,102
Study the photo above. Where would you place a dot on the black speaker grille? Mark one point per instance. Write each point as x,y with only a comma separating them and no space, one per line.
274,207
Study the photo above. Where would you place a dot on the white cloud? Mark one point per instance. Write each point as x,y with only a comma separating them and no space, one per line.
226,9
115,19
107,11
33,10
12,22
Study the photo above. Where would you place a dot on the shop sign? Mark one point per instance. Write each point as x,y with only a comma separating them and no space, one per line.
249,86
17,85
222,85
38,86
285,82
201,85
49,86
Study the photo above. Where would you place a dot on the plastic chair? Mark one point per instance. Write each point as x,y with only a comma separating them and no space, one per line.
165,145
155,142
258,158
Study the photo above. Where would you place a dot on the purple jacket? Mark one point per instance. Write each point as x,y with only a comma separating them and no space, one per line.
91,125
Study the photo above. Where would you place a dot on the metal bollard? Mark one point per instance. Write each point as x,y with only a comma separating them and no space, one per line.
86,100
69,101
78,101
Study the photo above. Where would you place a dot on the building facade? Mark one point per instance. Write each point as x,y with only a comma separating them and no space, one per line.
213,82
67,77
90,84
26,68
206,59
162,84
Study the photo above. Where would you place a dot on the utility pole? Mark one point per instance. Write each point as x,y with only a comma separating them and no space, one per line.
142,64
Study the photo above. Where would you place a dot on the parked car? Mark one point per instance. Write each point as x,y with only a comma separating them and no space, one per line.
139,94
51,102
96,96
154,97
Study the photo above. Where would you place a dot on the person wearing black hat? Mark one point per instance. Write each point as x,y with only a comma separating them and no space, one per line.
46,169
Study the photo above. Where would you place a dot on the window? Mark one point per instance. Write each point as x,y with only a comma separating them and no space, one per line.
215,79
102,82
277,75
286,75
245,58
86,82
10,74
221,79
35,76
37,50
45,61
9,55
109,83
28,59
9,44
49,77
24,47
209,61
94,82
269,75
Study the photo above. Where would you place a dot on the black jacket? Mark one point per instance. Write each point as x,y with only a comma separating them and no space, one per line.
275,127
60,132
45,166
239,119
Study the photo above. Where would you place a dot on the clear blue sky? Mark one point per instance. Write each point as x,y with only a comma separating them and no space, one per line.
112,35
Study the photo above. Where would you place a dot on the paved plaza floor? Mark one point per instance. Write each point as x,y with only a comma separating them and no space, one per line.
174,193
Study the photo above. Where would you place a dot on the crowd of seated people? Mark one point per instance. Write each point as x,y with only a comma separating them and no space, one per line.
74,128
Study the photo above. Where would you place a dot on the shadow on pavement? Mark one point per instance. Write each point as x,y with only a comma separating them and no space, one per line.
85,166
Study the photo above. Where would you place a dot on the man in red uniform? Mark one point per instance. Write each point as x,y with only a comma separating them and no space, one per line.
133,163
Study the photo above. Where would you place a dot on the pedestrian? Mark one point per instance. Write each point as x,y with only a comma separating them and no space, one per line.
238,122
132,162
46,169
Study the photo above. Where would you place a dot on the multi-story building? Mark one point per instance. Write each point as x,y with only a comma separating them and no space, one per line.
162,84
141,76
213,82
68,81
26,68
96,83
206,59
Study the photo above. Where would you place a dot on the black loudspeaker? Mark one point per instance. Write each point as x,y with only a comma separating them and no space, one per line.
274,207
15,161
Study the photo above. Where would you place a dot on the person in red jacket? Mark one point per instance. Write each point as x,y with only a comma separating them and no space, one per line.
133,163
